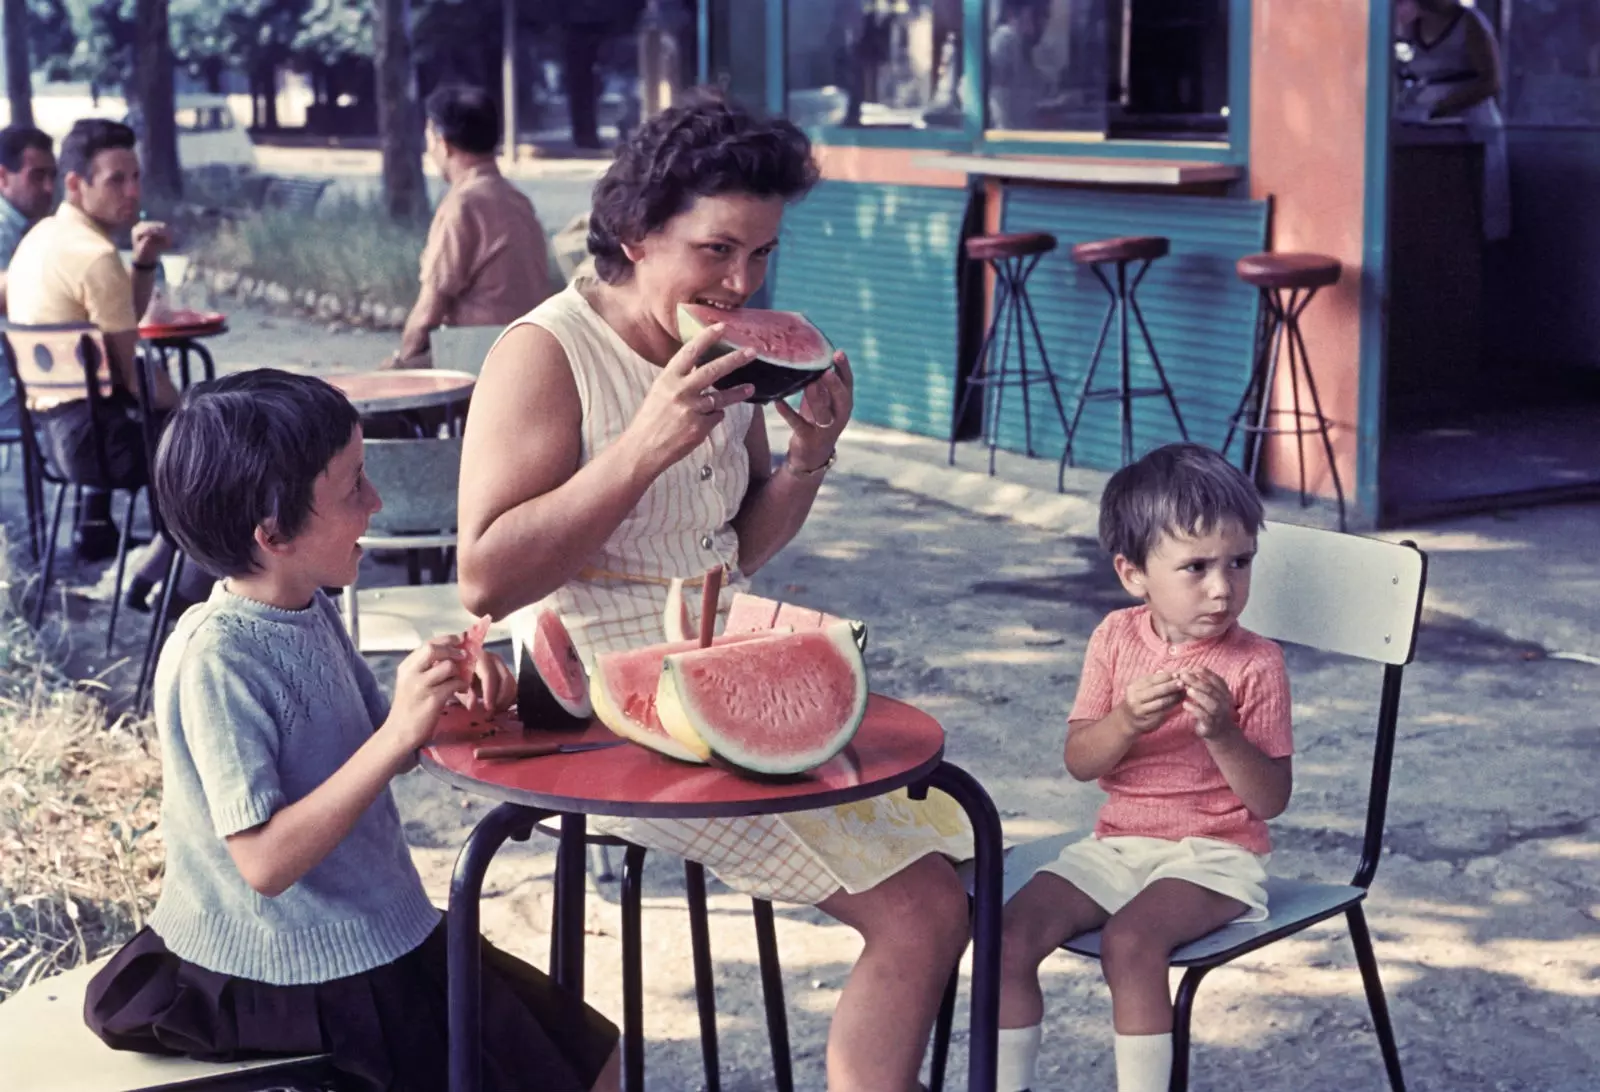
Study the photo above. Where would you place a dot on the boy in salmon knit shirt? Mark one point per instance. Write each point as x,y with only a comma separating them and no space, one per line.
1183,716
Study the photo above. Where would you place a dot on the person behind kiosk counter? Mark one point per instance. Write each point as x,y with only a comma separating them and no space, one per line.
68,270
291,918
1454,72
486,261
1016,86
1182,715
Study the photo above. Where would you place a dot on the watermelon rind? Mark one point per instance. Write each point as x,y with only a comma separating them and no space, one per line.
772,379
675,616
750,613
681,716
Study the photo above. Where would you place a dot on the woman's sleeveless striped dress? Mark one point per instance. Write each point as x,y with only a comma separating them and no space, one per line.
681,528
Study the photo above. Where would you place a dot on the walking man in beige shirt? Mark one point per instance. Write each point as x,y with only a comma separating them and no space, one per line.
486,261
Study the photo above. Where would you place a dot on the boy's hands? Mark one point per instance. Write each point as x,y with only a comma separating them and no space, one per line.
423,682
1150,699
1209,701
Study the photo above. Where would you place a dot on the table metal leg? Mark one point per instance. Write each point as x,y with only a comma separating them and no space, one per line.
464,953
571,882
988,865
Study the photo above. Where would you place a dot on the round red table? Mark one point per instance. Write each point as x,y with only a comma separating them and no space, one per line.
396,391
896,747
184,338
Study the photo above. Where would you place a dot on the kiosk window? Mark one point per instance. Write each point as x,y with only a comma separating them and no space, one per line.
1147,69
878,63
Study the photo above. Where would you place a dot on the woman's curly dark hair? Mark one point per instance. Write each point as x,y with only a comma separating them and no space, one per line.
704,147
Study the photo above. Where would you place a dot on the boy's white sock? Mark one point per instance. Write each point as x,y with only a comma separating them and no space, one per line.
1018,1053
1144,1062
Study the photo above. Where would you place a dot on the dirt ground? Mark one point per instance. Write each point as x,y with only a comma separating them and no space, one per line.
1485,912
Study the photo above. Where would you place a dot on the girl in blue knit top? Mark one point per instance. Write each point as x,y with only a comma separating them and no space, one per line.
291,918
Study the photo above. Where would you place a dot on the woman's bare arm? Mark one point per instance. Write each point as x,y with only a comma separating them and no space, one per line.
775,506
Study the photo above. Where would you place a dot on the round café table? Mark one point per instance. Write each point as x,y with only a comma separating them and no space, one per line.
897,746
396,391
184,338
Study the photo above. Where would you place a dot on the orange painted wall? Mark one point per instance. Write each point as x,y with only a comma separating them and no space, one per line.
1308,124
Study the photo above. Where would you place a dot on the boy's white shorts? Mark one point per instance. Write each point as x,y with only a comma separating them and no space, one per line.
1111,871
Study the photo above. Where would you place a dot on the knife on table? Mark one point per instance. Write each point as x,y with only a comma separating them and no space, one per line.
540,749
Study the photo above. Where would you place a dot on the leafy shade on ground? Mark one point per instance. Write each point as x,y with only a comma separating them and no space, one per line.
80,858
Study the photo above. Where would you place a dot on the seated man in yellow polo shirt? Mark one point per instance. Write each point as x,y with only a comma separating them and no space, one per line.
66,270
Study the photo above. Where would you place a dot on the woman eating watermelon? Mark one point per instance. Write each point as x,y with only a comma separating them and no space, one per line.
603,459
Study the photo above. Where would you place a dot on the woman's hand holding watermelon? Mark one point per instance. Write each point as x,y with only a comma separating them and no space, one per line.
682,407
824,411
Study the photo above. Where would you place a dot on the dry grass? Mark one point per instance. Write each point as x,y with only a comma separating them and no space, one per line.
80,858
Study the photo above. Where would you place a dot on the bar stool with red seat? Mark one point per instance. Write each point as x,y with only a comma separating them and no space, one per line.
1287,283
1013,258
1121,252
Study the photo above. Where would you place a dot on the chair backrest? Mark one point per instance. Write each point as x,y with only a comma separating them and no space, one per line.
53,364
417,481
462,348
1352,595
1342,593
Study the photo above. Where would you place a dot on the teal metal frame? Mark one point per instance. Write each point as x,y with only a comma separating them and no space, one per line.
1373,352
970,136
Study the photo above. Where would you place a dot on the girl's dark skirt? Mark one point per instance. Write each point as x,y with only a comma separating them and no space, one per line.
385,1028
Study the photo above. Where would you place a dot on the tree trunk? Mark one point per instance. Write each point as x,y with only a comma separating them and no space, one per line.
583,89
19,85
153,83
266,80
399,121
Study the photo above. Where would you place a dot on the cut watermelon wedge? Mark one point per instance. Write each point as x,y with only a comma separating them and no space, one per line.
776,705
754,614
622,689
790,352
552,684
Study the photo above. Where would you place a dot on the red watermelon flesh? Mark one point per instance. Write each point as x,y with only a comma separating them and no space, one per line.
753,614
552,684
790,351
623,693
472,645
750,614
782,704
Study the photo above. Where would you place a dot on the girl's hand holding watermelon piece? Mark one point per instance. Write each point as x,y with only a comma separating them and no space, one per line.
496,688
423,683
824,411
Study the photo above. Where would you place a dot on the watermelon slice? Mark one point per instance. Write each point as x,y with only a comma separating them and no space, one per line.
776,705
753,614
790,352
623,687
552,684
472,644
675,616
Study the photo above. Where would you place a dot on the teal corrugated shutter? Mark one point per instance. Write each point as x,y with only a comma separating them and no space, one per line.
875,267
1201,317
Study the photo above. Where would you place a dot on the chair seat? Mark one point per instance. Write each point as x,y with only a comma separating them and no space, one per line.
1289,270
46,1044
1291,906
399,619
1015,245
1125,248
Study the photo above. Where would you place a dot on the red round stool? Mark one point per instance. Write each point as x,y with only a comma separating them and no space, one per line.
1012,257
1121,253
1287,283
